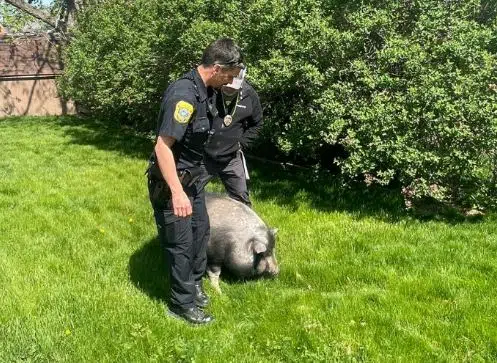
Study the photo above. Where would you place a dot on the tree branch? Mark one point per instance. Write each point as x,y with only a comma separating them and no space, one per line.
37,13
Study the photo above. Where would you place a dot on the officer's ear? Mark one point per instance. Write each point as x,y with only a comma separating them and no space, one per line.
216,69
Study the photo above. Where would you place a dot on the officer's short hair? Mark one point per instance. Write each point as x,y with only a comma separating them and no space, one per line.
225,52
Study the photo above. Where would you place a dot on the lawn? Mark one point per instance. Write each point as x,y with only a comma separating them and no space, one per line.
83,279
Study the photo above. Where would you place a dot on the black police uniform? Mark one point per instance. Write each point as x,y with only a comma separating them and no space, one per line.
223,151
183,238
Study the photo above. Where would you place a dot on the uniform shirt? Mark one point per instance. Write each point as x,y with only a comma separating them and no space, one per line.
244,128
185,116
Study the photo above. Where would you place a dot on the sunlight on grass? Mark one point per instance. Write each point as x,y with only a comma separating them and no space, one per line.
83,277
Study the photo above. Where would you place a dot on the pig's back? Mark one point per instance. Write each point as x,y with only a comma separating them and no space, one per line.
227,213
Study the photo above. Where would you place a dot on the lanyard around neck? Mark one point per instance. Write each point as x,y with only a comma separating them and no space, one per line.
226,107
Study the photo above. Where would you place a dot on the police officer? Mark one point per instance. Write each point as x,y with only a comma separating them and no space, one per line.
187,111
237,124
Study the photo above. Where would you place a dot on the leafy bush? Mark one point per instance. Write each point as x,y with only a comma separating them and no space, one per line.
408,88
123,54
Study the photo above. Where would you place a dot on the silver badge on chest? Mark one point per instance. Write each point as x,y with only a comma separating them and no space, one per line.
227,120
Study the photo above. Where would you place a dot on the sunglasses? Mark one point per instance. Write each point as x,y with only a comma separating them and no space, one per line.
232,64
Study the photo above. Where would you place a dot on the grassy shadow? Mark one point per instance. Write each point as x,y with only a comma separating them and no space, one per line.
107,135
288,187
147,270
291,187
322,191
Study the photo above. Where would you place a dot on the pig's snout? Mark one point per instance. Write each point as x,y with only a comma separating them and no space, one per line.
275,270
268,267
272,271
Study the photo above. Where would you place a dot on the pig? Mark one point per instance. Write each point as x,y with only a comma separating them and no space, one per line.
239,241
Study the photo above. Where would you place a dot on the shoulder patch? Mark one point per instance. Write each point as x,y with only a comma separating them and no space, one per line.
183,112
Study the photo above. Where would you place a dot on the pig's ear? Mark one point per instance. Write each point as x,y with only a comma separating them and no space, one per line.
259,247
274,231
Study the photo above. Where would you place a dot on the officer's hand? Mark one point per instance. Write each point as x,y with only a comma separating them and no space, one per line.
181,204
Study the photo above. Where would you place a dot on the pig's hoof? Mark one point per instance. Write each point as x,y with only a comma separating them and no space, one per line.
216,287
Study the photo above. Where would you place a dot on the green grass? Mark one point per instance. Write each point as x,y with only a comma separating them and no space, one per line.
82,277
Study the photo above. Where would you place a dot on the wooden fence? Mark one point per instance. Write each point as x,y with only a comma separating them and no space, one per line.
29,66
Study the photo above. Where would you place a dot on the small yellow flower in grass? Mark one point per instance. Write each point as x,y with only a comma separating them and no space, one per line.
102,230
68,332
130,220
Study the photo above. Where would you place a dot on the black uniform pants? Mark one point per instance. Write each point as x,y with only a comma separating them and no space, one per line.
232,175
183,239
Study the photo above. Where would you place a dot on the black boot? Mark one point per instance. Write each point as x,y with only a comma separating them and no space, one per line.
192,315
201,299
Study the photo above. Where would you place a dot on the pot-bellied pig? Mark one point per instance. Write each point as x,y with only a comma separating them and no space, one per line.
240,241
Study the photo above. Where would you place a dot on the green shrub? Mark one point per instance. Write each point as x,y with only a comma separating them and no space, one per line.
124,54
408,88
